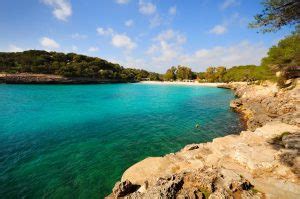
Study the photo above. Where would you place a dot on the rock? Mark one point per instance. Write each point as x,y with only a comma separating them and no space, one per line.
288,82
28,78
191,194
124,188
291,141
166,187
193,147
236,104
264,158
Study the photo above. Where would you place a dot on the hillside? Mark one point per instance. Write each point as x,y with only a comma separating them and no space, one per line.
68,65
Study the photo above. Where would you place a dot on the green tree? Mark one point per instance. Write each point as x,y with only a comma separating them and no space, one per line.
183,72
154,76
219,74
69,65
170,74
210,74
284,55
276,14
201,75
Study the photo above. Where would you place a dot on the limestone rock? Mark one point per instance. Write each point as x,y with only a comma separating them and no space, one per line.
262,162
124,188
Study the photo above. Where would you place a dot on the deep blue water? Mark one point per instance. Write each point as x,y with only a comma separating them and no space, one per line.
75,141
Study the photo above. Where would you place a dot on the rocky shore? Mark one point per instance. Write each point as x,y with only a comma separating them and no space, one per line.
26,78
261,162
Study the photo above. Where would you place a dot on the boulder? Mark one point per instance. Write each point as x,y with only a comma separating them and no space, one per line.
124,188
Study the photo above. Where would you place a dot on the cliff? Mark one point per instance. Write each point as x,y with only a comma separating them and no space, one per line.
28,78
262,162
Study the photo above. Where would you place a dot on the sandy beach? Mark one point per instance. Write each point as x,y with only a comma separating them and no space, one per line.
182,83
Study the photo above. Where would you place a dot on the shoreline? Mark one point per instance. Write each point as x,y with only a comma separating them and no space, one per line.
28,78
260,162
181,83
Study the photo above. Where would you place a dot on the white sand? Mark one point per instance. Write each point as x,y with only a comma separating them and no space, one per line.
182,83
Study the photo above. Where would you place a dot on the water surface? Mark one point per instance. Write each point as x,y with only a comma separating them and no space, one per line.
75,141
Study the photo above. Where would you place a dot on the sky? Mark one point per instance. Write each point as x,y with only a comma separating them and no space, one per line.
147,34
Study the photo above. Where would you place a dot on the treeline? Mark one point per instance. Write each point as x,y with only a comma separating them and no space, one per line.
69,65
220,74
179,73
283,58
236,73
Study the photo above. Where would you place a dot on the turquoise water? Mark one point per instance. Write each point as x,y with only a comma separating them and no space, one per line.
75,141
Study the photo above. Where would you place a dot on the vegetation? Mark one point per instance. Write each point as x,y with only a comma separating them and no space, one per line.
179,73
276,14
170,74
221,74
69,65
236,73
285,55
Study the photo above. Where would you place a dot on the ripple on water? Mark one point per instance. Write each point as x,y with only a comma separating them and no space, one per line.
75,141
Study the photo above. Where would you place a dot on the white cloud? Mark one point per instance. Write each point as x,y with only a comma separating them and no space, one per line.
14,48
242,53
78,36
167,47
49,43
233,20
74,48
218,30
155,21
123,41
168,50
129,23
93,49
228,3
122,1
169,35
146,8
117,39
134,62
103,31
62,9
173,10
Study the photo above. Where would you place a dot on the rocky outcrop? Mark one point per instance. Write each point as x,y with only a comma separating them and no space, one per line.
260,163
25,78
264,103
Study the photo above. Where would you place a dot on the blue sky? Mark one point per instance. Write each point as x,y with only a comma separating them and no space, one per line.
149,34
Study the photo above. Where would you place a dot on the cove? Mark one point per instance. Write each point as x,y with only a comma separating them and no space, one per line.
75,141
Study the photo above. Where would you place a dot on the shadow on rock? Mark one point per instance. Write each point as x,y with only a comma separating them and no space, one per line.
288,144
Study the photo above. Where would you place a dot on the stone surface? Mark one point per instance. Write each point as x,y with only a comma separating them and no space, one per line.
261,162
124,188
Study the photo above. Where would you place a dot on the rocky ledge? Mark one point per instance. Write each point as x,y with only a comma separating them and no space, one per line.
261,162
26,78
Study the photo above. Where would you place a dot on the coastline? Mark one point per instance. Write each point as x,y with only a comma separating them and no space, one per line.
194,83
261,162
27,78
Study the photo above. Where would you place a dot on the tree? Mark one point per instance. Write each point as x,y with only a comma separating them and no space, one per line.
276,14
284,55
220,72
201,75
69,65
170,74
183,72
210,74
154,76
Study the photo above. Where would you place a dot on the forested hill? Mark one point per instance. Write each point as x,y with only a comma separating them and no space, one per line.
68,65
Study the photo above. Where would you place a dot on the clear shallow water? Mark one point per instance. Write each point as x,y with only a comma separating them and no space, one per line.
75,141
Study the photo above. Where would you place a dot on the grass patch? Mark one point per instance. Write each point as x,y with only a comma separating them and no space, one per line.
205,192
254,191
